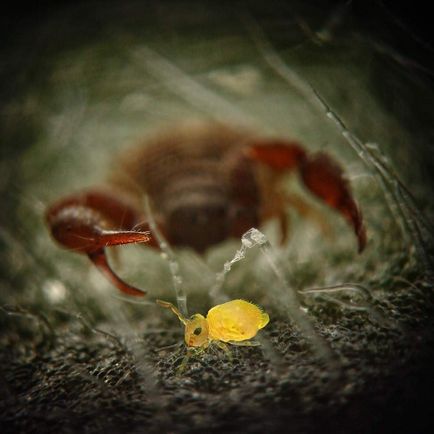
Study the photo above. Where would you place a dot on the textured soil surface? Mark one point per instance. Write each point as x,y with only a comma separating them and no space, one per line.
79,381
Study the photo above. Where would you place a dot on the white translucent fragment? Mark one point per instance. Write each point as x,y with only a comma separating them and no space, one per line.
174,267
167,254
251,238
363,300
296,313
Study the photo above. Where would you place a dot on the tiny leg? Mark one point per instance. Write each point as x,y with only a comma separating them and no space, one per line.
322,175
225,349
245,343
191,352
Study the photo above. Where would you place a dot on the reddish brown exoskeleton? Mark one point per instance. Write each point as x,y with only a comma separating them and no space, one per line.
207,182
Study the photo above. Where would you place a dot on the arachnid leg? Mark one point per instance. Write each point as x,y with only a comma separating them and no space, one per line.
309,212
325,178
321,174
88,222
99,258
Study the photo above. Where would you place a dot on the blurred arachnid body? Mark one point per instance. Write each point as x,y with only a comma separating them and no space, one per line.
207,182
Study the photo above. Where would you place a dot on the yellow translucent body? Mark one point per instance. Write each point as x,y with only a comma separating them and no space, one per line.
236,320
